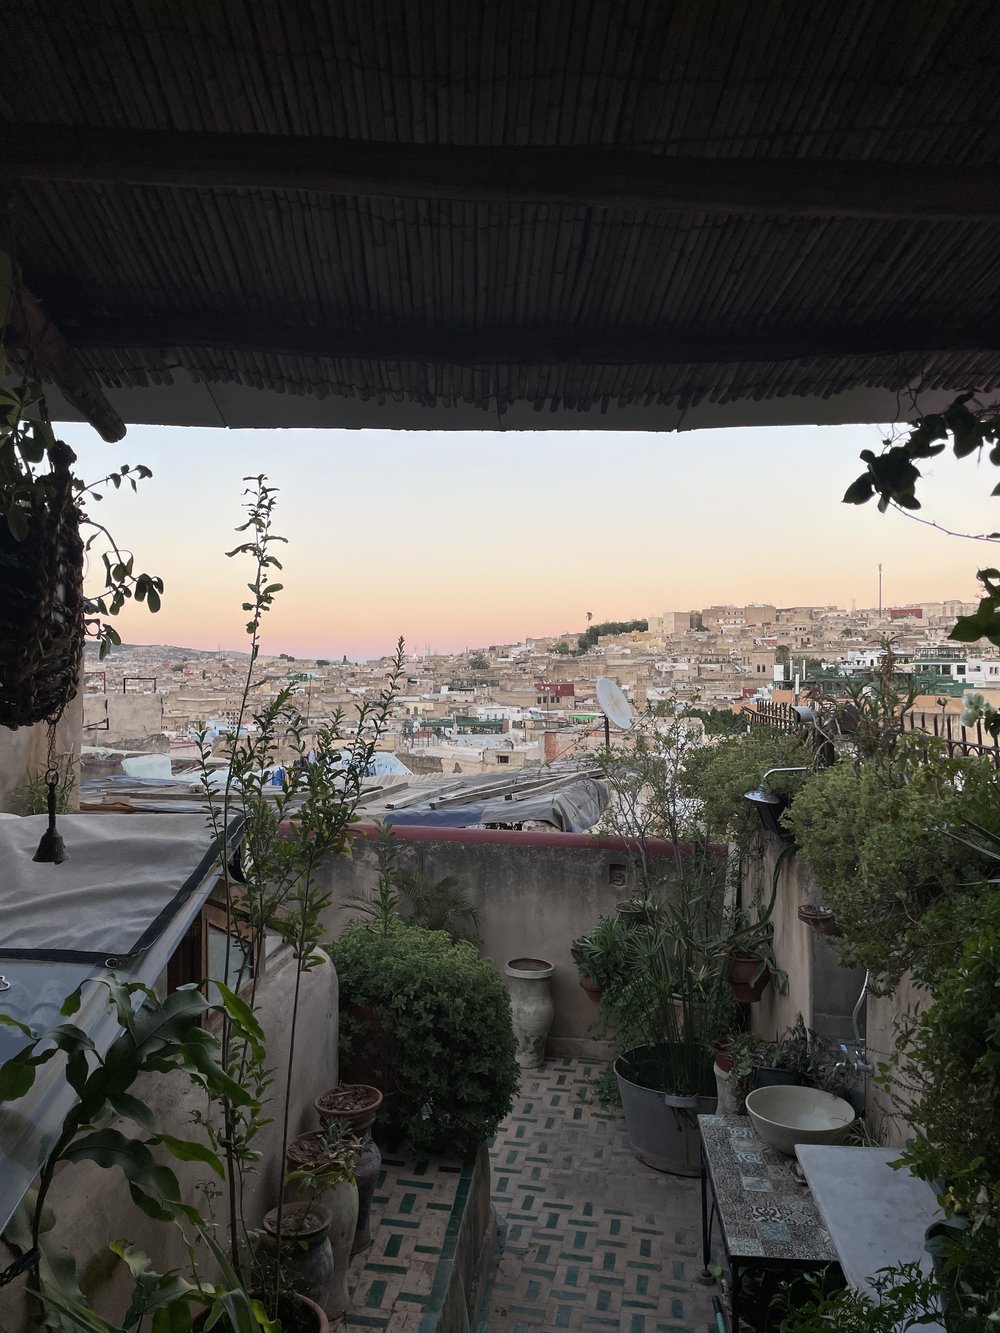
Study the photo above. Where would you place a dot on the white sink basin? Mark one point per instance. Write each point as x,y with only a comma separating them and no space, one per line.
785,1116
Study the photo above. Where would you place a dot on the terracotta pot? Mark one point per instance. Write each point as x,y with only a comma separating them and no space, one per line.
592,989
315,1312
741,969
723,1059
339,1103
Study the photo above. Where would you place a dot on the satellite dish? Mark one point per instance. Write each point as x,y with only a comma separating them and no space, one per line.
615,707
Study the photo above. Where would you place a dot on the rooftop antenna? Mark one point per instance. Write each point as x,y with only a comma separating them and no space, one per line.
880,590
615,707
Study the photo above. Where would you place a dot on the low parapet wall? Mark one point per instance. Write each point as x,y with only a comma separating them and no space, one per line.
534,892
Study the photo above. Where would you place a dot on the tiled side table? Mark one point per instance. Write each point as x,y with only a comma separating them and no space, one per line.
766,1218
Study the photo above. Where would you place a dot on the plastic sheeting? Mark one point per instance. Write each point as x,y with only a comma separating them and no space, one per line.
575,808
123,881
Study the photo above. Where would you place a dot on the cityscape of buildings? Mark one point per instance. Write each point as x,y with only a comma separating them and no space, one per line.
525,704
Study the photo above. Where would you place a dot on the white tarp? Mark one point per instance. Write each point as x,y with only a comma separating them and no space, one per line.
126,876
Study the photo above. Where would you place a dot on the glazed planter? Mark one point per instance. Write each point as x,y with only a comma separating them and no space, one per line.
357,1105
529,981
662,1127
306,1253
305,1153
766,1076
741,970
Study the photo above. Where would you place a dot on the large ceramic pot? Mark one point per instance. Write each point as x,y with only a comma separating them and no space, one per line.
356,1104
341,1198
529,983
306,1257
662,1128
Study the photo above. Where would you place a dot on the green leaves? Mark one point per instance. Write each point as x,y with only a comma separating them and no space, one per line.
893,475
984,623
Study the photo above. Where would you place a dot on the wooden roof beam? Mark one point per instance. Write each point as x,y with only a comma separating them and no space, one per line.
578,176
517,347
52,356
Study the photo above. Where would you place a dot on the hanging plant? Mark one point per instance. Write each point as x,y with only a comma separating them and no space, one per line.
45,614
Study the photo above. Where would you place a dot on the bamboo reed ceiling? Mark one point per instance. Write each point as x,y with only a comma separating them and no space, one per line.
831,222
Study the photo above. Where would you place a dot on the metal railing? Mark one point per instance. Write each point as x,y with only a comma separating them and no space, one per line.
947,727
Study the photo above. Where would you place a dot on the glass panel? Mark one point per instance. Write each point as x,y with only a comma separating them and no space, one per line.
239,958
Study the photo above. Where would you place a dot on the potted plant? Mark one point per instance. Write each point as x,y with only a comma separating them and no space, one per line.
751,966
306,1253
594,955
355,1106
320,1169
821,919
667,998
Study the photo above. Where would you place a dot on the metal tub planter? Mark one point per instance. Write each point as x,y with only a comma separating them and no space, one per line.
663,1126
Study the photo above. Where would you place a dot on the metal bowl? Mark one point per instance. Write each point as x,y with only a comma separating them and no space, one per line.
785,1116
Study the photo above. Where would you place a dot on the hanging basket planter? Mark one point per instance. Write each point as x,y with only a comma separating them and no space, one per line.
822,919
41,607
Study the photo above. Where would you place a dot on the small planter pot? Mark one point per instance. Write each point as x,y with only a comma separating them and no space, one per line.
741,970
530,986
723,1057
822,919
636,909
725,1087
662,1128
592,989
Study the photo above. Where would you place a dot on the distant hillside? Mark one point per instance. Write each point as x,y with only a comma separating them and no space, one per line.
167,649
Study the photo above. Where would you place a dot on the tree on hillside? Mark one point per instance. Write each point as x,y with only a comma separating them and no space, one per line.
589,637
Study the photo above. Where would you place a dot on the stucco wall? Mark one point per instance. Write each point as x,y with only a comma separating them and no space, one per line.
825,993
93,1206
534,892
23,753
819,988
112,718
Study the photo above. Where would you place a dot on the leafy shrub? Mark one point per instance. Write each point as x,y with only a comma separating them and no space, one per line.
428,1021
719,776
879,840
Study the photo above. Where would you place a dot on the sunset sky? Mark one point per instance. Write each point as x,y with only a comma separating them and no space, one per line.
466,539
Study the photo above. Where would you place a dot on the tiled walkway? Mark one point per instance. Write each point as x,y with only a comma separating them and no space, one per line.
414,1212
593,1239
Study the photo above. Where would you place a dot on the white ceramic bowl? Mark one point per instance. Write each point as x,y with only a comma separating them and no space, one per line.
785,1116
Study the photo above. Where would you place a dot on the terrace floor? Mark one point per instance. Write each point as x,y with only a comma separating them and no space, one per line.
592,1238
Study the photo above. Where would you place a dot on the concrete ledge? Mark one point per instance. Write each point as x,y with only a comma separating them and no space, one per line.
467,1252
